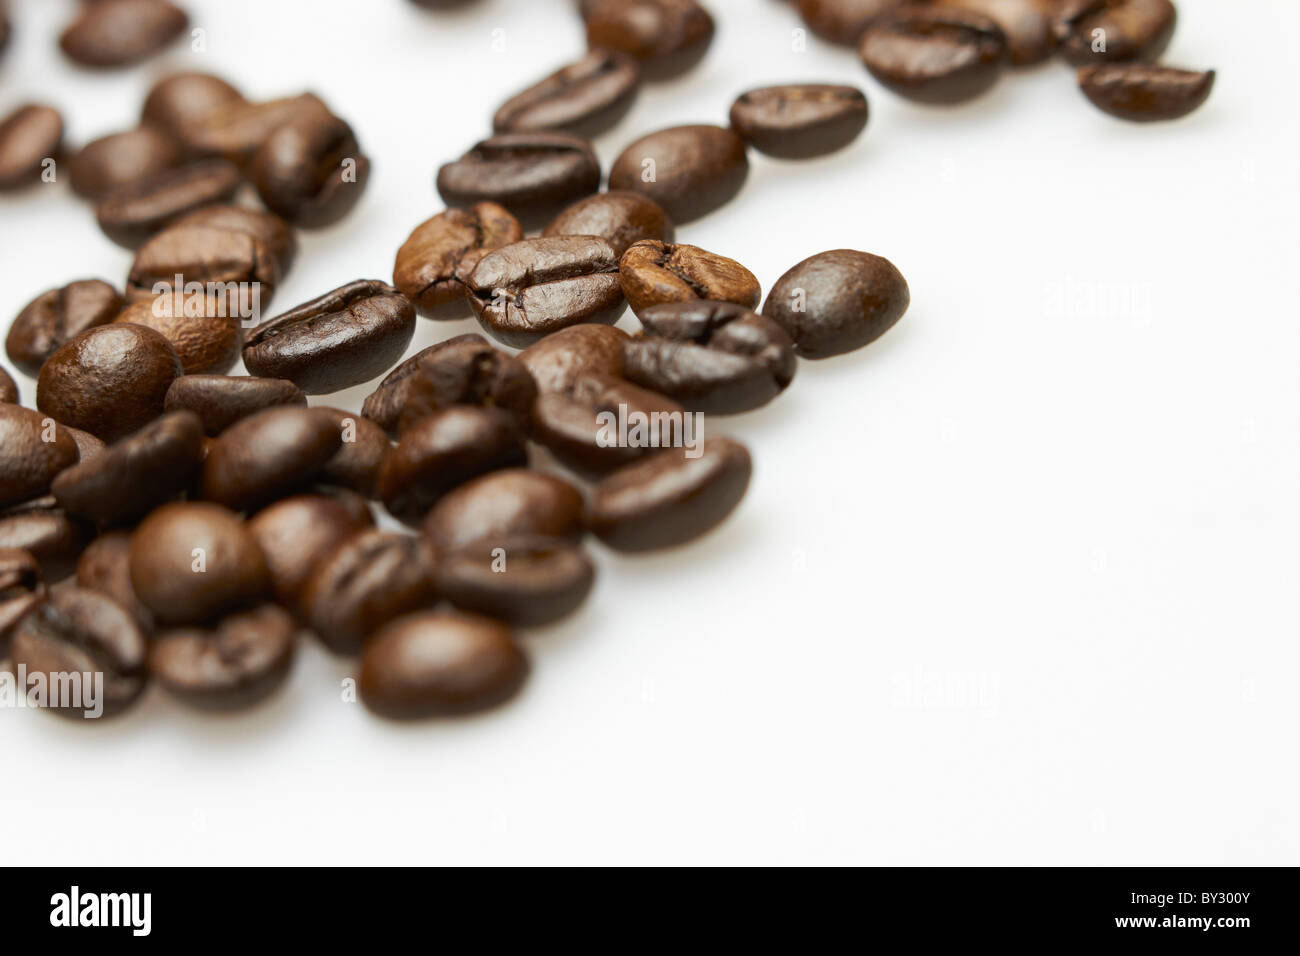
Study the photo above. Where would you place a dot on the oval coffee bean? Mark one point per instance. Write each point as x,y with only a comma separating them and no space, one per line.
235,663
181,99
268,455
121,159
47,532
667,37
688,170
55,317
357,462
22,590
295,534
1027,25
8,388
204,330
504,504
237,129
621,218
436,258
934,54
527,581
236,267
843,21
29,136
343,338
652,273
1132,29
105,566
800,121
384,405
33,450
534,175
222,400
132,214
270,230
83,633
310,170
87,444
1142,93
838,301
110,33
191,562
584,98
560,361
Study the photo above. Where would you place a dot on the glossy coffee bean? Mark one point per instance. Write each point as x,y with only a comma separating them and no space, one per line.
357,462
666,37
133,476
191,562
222,400
534,175
56,317
439,254
369,580
87,444
584,98
297,533
105,566
838,301
935,54
122,159
132,214
82,632
620,218
1112,31
1027,25
180,100
561,360
712,357
272,232
800,121
311,170
504,504
8,388
47,532
1143,93
343,338
384,405
268,455
204,330
843,21
688,170
652,273
237,129
530,289
33,450
238,268
527,581
235,663
29,136
22,590
111,33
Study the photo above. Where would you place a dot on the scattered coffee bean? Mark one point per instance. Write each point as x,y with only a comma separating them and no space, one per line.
934,54
800,121
1027,25
357,462
1100,31
584,98
222,400
527,581
843,21
22,590
180,100
132,214
55,317
503,504
688,170
653,272
311,170
105,566
29,136
120,160
384,405
1143,93
561,360
87,444
438,256
47,532
234,267
236,130
8,388
268,455
111,33
621,218
667,37
270,230
204,330
33,450
296,533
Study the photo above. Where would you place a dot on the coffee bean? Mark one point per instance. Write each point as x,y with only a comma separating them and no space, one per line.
29,136
105,566
1143,93
1131,29
384,405
561,360
934,54
33,450
534,175
132,214
179,100
222,400
653,272
87,444
192,562
8,388
842,21
620,218
133,476
121,159
268,455
357,462
800,121
87,634
584,98
527,581
270,230
369,580
234,267
688,170
296,533
237,129
667,37
504,504
47,532
343,338
311,170
1027,25
56,317
111,33
838,301
22,590
5,29
204,330
529,289
435,259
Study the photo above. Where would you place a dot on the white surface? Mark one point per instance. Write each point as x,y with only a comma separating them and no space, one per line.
1016,584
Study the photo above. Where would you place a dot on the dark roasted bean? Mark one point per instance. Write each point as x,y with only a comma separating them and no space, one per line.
1027,25
311,170
357,462
503,504
55,317
800,121
619,217
934,54
204,330
236,130
52,536
384,405
22,590
569,356
842,21
688,170
122,159
234,267
1102,31
1143,93
653,272
222,400
132,214
272,231
8,388
33,450
105,566
111,33
268,455
297,533
179,100
584,98
439,254
527,581
667,37
29,136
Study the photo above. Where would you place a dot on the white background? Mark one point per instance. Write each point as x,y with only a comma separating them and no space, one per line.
1015,584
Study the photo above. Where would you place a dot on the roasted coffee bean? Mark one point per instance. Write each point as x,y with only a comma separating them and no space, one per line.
653,272
842,21
357,462
55,317
237,129
384,405
584,98
121,159
800,121
667,37
838,301
527,581
133,476
268,455
688,170
234,267
440,664
29,136
1027,25
204,330
620,218
935,54
132,214
179,100
1100,31
87,444
534,175
1143,93
713,357
237,662
5,28
670,498
296,533
111,33
47,532
343,338
529,289
571,355
222,400
268,229
191,562
439,254
33,450
8,388
83,633
311,170
105,566
366,582
443,451
503,504
22,590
